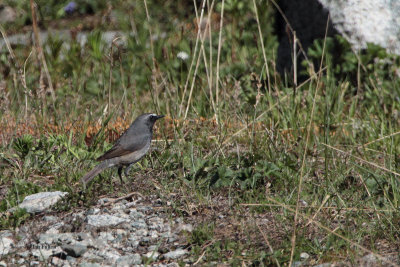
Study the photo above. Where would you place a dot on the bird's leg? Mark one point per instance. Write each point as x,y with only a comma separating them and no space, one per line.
126,171
120,174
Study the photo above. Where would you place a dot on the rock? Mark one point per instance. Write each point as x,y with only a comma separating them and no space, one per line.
93,211
49,218
7,14
304,256
5,245
75,250
367,21
59,262
41,201
175,254
42,254
139,224
152,255
89,264
3,264
129,260
104,220
56,238
359,21
185,228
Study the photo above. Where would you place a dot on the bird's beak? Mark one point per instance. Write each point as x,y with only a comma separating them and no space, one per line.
160,116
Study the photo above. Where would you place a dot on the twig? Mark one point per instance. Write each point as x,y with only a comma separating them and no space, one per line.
122,198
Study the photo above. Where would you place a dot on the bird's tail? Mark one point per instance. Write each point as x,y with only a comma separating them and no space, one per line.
95,171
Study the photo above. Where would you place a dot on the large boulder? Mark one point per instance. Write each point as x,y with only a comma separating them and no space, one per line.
359,21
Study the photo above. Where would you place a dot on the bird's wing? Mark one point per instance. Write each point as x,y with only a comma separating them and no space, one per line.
124,146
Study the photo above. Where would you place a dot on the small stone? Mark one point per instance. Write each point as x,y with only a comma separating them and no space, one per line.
89,264
33,263
49,218
23,254
20,261
3,264
103,201
93,211
129,260
139,224
304,256
75,250
185,227
175,254
135,215
152,255
59,262
104,220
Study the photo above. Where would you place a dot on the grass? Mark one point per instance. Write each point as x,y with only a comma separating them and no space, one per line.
263,171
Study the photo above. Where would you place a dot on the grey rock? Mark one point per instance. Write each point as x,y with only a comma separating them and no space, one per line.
49,218
104,220
59,262
23,254
42,254
139,224
54,228
34,263
6,245
3,264
56,238
152,255
93,211
20,261
134,215
75,250
175,254
70,259
129,260
324,265
41,201
103,201
89,264
92,256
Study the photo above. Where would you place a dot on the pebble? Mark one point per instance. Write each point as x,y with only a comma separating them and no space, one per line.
175,254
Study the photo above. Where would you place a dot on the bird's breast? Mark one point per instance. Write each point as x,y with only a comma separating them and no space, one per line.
135,155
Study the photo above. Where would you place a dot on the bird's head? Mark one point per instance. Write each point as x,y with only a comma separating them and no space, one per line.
149,119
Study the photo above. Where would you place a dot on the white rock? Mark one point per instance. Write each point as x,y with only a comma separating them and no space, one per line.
304,256
5,245
367,21
175,254
41,201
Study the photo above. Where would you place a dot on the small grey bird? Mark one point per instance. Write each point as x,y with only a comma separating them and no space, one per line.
129,148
